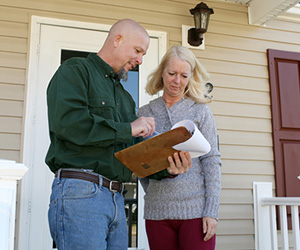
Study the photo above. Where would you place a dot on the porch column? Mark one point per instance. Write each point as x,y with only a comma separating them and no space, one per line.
262,219
10,173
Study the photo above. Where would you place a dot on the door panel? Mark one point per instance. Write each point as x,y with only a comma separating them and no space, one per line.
288,83
292,151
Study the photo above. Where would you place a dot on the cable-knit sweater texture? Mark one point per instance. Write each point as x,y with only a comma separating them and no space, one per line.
196,193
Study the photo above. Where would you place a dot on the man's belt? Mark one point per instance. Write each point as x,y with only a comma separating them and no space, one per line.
113,186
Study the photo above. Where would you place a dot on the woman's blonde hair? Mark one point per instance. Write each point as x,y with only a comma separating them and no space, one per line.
197,88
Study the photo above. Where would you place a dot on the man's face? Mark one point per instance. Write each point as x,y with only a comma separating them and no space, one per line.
131,50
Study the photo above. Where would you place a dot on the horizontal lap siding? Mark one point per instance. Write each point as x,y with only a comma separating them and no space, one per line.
13,62
235,56
10,124
248,167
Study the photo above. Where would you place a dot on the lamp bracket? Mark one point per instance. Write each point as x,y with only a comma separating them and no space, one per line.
184,38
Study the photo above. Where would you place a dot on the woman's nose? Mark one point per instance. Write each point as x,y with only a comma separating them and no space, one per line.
177,79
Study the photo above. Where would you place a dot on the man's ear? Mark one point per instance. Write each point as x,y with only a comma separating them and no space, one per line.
117,40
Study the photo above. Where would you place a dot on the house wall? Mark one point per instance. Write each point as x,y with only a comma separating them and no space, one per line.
235,56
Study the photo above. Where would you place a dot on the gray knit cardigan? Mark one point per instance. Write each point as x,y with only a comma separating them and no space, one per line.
196,193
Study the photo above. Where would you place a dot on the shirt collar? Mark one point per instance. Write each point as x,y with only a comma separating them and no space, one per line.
101,65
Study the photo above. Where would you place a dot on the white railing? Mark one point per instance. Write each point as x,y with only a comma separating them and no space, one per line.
265,218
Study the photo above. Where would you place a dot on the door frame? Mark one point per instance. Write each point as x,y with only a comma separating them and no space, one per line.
23,220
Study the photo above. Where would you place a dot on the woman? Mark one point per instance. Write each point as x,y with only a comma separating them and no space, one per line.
182,212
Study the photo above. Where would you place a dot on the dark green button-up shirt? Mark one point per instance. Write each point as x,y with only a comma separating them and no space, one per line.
89,118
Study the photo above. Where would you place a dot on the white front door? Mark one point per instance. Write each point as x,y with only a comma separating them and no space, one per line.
48,38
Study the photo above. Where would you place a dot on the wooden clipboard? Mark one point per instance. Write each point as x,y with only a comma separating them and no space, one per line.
151,156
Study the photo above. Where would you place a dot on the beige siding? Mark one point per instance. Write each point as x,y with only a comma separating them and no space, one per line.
235,56
233,196
243,123
10,124
241,242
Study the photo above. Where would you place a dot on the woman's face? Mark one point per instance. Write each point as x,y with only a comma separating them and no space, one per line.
176,76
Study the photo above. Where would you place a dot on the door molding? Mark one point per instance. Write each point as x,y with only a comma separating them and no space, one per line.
30,109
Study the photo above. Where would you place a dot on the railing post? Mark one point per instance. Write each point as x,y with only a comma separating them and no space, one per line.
262,216
296,230
284,228
10,173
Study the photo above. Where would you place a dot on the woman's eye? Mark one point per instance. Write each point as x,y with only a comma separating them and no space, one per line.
171,74
184,76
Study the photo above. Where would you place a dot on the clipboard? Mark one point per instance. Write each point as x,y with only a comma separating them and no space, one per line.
151,156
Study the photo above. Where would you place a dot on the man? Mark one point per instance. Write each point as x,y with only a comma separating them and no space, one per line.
91,117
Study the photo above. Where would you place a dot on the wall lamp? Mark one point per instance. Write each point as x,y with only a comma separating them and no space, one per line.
201,15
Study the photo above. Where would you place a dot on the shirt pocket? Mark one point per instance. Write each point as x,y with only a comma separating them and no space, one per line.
102,106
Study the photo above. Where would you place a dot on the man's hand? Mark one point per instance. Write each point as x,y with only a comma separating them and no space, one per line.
181,164
209,227
143,126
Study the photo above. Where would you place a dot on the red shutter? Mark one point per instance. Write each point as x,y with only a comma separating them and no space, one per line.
284,73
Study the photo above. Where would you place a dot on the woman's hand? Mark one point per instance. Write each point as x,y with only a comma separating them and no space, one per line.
209,227
180,164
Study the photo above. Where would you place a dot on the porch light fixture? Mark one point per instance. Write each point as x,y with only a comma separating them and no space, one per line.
201,15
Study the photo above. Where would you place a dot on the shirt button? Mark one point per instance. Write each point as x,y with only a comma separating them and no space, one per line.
117,104
103,103
106,76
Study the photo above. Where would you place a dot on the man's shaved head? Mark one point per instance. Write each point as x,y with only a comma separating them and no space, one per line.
127,42
126,26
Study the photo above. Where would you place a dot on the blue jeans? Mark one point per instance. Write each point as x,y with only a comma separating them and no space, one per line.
86,216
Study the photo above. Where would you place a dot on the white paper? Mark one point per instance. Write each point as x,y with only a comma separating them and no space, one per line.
197,145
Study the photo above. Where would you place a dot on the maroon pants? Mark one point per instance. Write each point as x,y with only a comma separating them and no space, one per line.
177,235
